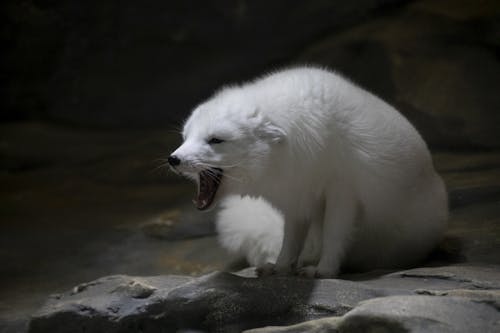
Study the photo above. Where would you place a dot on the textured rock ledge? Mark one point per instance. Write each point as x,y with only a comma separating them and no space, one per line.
439,299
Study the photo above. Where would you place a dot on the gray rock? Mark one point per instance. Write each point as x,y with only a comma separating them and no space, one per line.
213,302
406,314
444,278
329,324
422,314
421,299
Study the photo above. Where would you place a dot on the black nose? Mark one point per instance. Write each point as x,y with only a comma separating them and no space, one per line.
173,160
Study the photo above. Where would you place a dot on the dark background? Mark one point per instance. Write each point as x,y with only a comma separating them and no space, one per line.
144,64
93,94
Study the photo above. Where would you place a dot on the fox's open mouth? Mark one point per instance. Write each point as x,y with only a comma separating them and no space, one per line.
208,184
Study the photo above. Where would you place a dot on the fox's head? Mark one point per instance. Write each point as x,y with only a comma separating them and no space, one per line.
227,143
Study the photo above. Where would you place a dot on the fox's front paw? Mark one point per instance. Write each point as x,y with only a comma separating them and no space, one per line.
266,270
307,272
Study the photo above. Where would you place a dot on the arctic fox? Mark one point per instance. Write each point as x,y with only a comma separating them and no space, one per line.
324,172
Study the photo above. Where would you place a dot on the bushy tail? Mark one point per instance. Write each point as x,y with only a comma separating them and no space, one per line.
250,228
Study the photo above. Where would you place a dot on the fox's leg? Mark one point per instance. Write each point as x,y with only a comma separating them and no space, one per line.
295,231
337,228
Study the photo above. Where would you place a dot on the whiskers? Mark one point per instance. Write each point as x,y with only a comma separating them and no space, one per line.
165,166
162,165
210,168
233,178
196,167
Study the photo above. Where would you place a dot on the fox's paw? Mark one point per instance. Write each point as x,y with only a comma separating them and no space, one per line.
307,272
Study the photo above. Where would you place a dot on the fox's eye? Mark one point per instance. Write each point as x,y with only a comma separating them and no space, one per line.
213,141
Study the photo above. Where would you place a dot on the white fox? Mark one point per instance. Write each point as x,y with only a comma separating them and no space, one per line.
319,170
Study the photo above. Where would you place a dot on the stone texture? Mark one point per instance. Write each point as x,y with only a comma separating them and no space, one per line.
212,302
407,314
446,299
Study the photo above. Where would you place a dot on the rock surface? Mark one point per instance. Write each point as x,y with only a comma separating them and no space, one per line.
437,299
407,314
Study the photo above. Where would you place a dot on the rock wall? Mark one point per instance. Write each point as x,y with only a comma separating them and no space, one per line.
147,64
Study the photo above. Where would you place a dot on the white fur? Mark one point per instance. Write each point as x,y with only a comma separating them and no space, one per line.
250,228
352,177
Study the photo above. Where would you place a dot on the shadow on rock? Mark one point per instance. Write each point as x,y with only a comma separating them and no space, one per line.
215,302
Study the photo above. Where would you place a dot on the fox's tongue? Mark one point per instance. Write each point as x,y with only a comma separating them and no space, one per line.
207,187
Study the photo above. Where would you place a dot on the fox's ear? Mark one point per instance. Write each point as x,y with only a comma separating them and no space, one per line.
265,128
271,132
